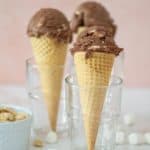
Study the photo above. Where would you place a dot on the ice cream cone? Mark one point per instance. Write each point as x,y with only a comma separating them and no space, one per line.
50,33
93,76
50,58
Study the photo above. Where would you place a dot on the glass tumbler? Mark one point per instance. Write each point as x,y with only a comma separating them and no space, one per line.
41,121
105,120
118,67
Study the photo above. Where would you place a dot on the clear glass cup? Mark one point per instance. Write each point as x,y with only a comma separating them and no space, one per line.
41,126
107,119
118,68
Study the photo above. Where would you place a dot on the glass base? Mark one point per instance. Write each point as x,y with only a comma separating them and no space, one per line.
97,148
62,144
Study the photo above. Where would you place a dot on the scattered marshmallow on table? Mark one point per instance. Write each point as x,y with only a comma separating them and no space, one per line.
129,119
120,137
147,137
51,137
135,138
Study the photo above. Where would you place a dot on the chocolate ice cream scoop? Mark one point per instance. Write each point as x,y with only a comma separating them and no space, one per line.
96,39
51,23
91,14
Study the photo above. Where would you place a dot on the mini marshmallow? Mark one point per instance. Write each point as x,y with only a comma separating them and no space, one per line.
135,139
129,119
51,137
120,137
147,137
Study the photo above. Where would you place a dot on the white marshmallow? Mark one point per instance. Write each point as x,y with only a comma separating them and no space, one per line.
135,139
147,137
120,137
129,119
51,137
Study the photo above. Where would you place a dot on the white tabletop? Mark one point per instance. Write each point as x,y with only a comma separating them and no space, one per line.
134,101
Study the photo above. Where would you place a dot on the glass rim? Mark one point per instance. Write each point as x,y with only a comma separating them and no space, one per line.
31,61
113,84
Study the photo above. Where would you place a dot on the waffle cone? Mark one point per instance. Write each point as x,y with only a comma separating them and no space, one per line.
50,58
92,73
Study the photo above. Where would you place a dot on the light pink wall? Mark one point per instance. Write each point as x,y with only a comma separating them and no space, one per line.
132,17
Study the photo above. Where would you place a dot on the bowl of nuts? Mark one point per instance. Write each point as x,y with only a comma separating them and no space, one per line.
15,127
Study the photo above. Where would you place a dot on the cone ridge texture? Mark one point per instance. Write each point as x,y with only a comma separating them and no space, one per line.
93,76
50,58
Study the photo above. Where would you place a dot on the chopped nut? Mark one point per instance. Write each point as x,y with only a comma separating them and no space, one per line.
94,47
39,24
77,13
64,26
38,143
9,110
92,31
21,116
11,117
4,116
59,30
9,114
100,35
104,46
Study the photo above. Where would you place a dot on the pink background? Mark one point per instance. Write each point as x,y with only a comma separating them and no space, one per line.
132,17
